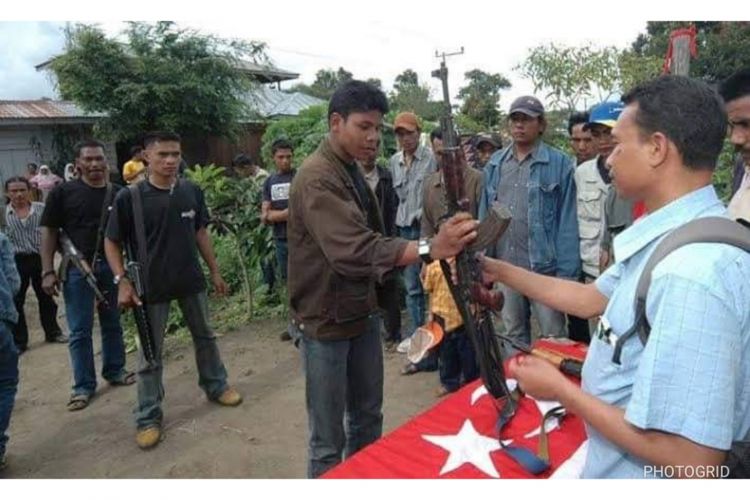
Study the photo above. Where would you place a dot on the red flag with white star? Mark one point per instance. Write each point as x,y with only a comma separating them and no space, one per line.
457,438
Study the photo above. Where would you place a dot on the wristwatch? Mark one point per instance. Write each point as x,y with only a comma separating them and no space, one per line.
424,250
119,277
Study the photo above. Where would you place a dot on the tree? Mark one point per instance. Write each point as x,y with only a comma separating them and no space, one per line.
326,82
481,97
409,95
635,69
572,75
723,47
375,82
405,80
161,77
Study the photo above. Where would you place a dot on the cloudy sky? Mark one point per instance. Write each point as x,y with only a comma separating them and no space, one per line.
370,39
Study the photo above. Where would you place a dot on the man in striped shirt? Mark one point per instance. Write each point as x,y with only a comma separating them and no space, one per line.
22,218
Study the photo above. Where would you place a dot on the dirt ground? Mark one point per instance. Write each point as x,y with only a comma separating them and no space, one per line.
265,437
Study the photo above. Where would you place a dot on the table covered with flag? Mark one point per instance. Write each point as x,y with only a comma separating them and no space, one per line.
457,438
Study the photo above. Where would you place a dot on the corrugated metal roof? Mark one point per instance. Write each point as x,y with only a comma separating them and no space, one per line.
269,102
266,72
42,109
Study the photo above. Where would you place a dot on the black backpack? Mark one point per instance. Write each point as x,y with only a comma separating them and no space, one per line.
703,230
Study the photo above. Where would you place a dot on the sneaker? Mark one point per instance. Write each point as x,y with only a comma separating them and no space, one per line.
148,437
403,347
60,338
229,397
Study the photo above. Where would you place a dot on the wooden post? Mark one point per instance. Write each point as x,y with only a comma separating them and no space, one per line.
681,55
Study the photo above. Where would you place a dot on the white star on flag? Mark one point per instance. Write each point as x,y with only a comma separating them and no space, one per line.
467,447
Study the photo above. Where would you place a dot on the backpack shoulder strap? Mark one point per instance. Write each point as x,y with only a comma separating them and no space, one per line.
136,200
108,199
702,230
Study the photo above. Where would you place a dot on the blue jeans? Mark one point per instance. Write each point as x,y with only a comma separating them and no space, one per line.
458,361
8,379
517,314
282,257
79,308
344,396
415,300
212,376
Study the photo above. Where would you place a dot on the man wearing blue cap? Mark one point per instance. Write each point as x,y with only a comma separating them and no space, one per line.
592,185
616,212
535,181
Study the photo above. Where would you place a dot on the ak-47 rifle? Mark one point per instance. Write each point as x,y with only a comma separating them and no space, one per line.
135,254
475,302
140,314
71,255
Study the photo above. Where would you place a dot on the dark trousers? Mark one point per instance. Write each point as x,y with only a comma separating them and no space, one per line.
389,300
344,396
282,257
30,269
578,328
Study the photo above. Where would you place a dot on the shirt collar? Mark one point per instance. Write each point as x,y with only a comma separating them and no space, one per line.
538,154
654,225
11,210
418,154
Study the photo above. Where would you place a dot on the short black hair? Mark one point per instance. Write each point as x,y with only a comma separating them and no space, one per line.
86,143
687,111
241,160
136,149
17,179
736,86
160,136
356,96
32,164
577,118
281,143
436,134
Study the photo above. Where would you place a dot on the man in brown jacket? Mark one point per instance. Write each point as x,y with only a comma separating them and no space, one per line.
337,254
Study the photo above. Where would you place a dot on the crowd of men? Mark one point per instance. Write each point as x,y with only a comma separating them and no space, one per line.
348,232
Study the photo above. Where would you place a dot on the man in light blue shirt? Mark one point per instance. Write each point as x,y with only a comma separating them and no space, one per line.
684,397
410,169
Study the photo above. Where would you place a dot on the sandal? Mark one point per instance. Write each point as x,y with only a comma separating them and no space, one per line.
78,402
127,378
409,369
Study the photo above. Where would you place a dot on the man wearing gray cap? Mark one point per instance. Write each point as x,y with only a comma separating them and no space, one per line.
535,181
486,145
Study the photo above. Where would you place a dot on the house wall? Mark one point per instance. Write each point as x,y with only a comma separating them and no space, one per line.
220,150
22,144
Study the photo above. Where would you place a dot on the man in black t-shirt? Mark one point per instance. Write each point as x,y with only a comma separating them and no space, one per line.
275,206
76,207
174,222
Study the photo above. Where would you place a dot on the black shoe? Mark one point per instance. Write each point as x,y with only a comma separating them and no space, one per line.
285,337
60,338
